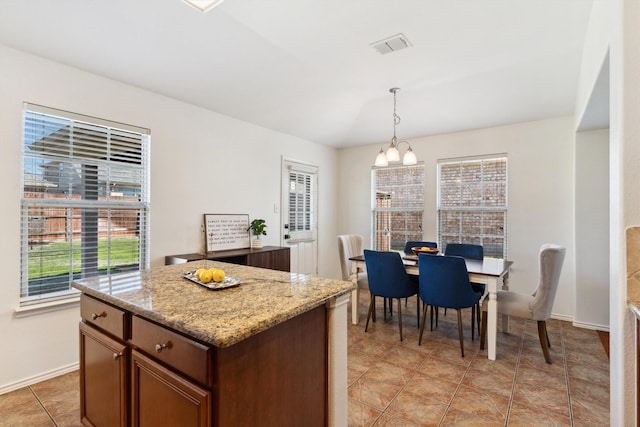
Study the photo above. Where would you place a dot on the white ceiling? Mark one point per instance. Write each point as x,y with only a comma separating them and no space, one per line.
306,68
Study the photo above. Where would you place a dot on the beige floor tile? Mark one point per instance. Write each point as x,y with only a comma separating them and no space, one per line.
361,415
481,404
387,420
21,408
432,388
457,418
500,384
522,415
375,393
417,408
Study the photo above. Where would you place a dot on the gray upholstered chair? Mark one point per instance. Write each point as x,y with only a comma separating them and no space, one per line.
350,245
538,305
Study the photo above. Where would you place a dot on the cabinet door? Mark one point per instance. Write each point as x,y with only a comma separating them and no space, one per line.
161,397
103,379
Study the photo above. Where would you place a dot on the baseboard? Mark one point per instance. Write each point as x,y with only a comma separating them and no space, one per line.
38,378
592,326
562,317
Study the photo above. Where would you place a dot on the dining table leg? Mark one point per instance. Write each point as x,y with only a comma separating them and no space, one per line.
505,318
492,318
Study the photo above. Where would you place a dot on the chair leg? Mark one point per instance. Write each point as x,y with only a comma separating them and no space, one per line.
424,320
370,312
384,312
399,314
432,319
418,309
478,310
460,332
373,316
544,340
473,320
483,332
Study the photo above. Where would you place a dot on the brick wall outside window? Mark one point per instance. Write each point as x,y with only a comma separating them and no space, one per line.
472,204
398,206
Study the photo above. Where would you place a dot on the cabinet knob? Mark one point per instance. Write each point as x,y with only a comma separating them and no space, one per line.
94,316
117,356
160,347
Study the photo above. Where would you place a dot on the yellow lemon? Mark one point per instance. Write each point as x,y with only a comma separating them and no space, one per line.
199,272
205,276
218,275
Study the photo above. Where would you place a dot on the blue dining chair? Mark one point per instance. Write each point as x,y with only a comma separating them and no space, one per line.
388,279
470,251
444,282
465,250
417,244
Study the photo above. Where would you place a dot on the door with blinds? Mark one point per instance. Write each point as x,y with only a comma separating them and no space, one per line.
299,215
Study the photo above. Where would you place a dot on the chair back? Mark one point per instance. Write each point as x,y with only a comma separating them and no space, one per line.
387,275
416,244
551,260
465,250
444,282
349,245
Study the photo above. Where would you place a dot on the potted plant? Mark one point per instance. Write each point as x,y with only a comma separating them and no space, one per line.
257,228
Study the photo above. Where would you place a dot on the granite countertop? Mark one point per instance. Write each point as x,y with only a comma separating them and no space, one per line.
221,318
633,268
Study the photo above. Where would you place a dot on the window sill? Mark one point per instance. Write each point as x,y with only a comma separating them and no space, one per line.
47,307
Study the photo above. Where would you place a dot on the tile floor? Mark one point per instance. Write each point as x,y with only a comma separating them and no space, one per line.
393,383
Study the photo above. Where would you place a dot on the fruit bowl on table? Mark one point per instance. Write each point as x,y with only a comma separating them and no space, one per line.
424,250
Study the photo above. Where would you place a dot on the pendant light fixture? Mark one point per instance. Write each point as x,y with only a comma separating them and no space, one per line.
392,154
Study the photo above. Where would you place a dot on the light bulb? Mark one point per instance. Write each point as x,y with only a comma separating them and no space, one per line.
392,154
381,159
409,158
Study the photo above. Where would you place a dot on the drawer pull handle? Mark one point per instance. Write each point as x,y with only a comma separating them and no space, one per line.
160,347
117,356
94,316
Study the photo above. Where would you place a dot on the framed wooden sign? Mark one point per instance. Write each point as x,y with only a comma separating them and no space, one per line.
226,231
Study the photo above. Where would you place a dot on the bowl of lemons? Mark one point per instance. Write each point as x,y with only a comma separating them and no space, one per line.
211,278
424,250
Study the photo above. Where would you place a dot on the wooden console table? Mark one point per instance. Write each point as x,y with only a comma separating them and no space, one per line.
272,257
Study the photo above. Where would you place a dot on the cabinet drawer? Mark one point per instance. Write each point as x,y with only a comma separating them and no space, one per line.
104,316
179,352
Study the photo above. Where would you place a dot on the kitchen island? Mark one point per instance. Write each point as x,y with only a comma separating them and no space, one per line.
157,349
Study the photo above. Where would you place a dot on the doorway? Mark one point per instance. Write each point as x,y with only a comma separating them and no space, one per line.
299,204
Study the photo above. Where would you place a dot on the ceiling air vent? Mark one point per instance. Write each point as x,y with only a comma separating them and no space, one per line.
391,44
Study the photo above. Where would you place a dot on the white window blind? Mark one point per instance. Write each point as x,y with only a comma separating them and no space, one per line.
85,200
302,204
398,205
472,203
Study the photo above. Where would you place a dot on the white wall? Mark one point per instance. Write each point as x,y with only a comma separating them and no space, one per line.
592,229
202,162
541,186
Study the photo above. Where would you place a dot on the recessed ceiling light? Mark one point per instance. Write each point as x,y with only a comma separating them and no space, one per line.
203,5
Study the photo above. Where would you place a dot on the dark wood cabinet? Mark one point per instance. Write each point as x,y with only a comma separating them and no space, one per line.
272,257
161,397
136,372
103,378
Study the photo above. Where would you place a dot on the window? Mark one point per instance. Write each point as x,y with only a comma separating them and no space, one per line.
302,202
85,201
398,205
472,203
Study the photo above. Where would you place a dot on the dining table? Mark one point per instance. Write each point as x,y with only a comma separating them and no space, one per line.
492,272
